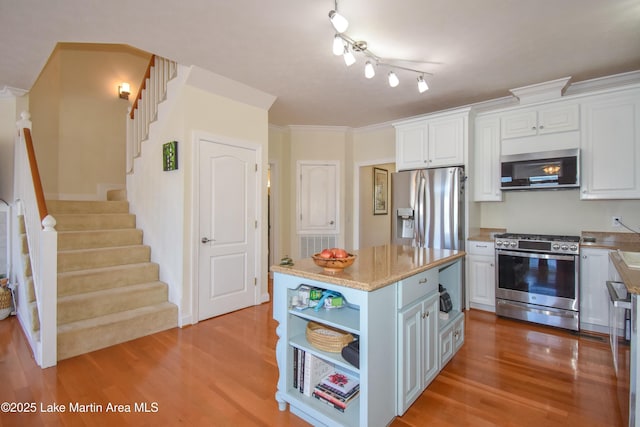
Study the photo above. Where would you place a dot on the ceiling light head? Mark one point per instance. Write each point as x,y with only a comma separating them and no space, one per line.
338,45
369,71
422,85
338,21
393,79
349,59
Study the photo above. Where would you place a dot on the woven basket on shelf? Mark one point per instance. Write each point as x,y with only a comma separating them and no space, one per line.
326,338
5,298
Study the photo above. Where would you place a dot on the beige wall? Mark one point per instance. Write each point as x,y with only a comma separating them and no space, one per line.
10,109
78,119
374,229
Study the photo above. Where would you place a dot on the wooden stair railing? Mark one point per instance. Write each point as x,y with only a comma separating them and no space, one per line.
144,111
42,240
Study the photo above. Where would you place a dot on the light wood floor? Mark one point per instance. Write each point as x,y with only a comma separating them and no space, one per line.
222,372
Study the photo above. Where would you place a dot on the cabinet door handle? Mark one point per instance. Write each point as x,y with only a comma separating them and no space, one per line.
541,127
491,265
482,246
584,257
330,222
533,128
425,314
422,280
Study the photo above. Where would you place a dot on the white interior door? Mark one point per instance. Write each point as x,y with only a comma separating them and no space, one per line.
227,228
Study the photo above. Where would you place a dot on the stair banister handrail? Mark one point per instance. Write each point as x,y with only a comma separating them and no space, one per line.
42,240
144,110
142,86
35,174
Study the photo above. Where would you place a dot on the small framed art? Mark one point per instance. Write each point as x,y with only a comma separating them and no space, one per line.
170,156
380,192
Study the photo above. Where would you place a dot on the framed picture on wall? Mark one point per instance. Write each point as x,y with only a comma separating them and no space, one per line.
380,191
170,156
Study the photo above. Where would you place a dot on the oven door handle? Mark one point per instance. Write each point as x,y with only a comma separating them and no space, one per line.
536,255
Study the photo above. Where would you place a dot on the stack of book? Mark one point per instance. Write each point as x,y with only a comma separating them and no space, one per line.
314,377
337,389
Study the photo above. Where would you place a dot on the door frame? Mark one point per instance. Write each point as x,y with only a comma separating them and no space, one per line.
356,194
199,137
274,231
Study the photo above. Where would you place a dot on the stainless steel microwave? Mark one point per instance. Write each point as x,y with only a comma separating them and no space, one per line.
543,170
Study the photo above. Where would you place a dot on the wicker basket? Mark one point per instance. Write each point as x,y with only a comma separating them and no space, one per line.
5,298
326,338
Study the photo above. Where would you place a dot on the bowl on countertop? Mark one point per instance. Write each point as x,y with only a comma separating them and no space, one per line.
333,265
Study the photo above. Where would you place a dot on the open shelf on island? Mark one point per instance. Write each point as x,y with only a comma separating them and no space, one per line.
300,341
453,316
345,318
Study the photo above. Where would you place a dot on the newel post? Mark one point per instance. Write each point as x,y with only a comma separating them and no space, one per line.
49,308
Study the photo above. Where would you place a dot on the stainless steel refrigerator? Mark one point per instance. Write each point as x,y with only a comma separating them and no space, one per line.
428,208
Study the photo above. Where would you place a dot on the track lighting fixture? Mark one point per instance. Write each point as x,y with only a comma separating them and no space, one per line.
345,46
393,79
338,45
349,59
369,71
422,85
338,21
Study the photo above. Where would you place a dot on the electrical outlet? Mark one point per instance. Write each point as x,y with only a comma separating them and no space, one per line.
615,221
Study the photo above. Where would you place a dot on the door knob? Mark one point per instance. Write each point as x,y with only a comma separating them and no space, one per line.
206,240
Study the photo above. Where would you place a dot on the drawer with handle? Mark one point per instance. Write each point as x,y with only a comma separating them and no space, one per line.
477,247
417,286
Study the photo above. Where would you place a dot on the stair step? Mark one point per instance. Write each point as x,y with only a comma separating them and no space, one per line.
68,240
81,259
90,280
86,207
120,194
78,222
93,334
73,308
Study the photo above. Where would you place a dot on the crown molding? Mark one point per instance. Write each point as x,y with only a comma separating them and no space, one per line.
11,92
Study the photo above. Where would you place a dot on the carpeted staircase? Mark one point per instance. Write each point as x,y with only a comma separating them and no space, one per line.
108,290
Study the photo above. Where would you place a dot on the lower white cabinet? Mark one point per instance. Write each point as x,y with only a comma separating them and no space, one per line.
417,349
594,300
481,275
451,339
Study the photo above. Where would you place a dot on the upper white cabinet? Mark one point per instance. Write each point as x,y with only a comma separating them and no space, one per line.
432,141
486,160
610,146
559,117
318,202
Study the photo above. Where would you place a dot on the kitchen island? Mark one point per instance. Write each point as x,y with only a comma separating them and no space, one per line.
631,278
392,300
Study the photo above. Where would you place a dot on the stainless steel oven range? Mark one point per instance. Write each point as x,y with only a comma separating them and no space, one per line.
537,279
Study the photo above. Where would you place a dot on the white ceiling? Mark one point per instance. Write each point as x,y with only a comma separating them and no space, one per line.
283,47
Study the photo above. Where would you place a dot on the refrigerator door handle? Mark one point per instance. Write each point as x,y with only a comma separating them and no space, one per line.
420,238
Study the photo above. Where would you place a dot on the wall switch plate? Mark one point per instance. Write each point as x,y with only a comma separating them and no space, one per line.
615,221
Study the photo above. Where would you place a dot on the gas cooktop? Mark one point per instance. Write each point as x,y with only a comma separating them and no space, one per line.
538,237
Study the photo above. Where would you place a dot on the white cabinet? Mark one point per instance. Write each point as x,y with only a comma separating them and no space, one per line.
559,117
451,339
317,196
426,342
610,146
594,300
486,159
433,141
418,326
481,275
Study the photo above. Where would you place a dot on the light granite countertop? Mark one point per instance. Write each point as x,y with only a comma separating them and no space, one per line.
610,240
630,276
375,267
